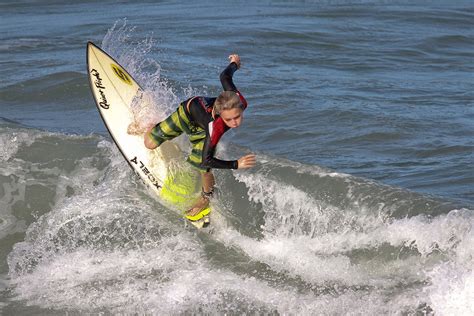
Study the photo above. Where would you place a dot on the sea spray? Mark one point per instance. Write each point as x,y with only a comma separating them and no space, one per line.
157,99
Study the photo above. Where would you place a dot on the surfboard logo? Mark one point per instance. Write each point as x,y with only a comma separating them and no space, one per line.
121,74
103,103
146,172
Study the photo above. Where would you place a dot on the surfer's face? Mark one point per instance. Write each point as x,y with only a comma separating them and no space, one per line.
232,117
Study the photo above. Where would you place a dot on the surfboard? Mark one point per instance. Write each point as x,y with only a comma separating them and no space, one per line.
163,170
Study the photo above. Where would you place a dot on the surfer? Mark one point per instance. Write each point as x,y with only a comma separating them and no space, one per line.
205,120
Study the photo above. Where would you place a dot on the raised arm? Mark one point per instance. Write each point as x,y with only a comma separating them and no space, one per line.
228,73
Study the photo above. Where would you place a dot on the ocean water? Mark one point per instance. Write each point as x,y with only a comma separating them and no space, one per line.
361,114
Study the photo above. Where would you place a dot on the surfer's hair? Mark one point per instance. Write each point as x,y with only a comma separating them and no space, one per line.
227,100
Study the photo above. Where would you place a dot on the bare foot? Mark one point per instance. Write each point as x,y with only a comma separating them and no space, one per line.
200,205
135,129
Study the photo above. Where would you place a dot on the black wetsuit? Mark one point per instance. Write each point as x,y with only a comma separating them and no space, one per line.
203,129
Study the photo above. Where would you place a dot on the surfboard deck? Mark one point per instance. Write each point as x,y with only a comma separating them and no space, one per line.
163,170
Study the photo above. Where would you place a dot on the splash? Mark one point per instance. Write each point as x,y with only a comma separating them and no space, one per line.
11,140
157,99
452,282
104,248
352,245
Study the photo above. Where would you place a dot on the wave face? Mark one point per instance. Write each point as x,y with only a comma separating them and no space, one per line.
361,202
294,238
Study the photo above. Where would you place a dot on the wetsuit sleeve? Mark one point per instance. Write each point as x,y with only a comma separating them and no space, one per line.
209,149
226,77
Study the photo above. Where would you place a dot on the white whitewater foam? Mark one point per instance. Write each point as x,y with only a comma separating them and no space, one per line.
105,250
170,278
452,283
11,140
323,254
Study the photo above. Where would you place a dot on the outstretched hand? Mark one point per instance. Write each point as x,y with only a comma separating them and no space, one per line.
247,161
234,58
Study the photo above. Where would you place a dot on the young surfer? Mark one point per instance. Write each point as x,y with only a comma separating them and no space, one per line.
205,120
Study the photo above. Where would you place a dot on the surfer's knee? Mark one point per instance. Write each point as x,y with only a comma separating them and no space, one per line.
149,142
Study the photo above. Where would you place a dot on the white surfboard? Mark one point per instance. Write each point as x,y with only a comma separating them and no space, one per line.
115,91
